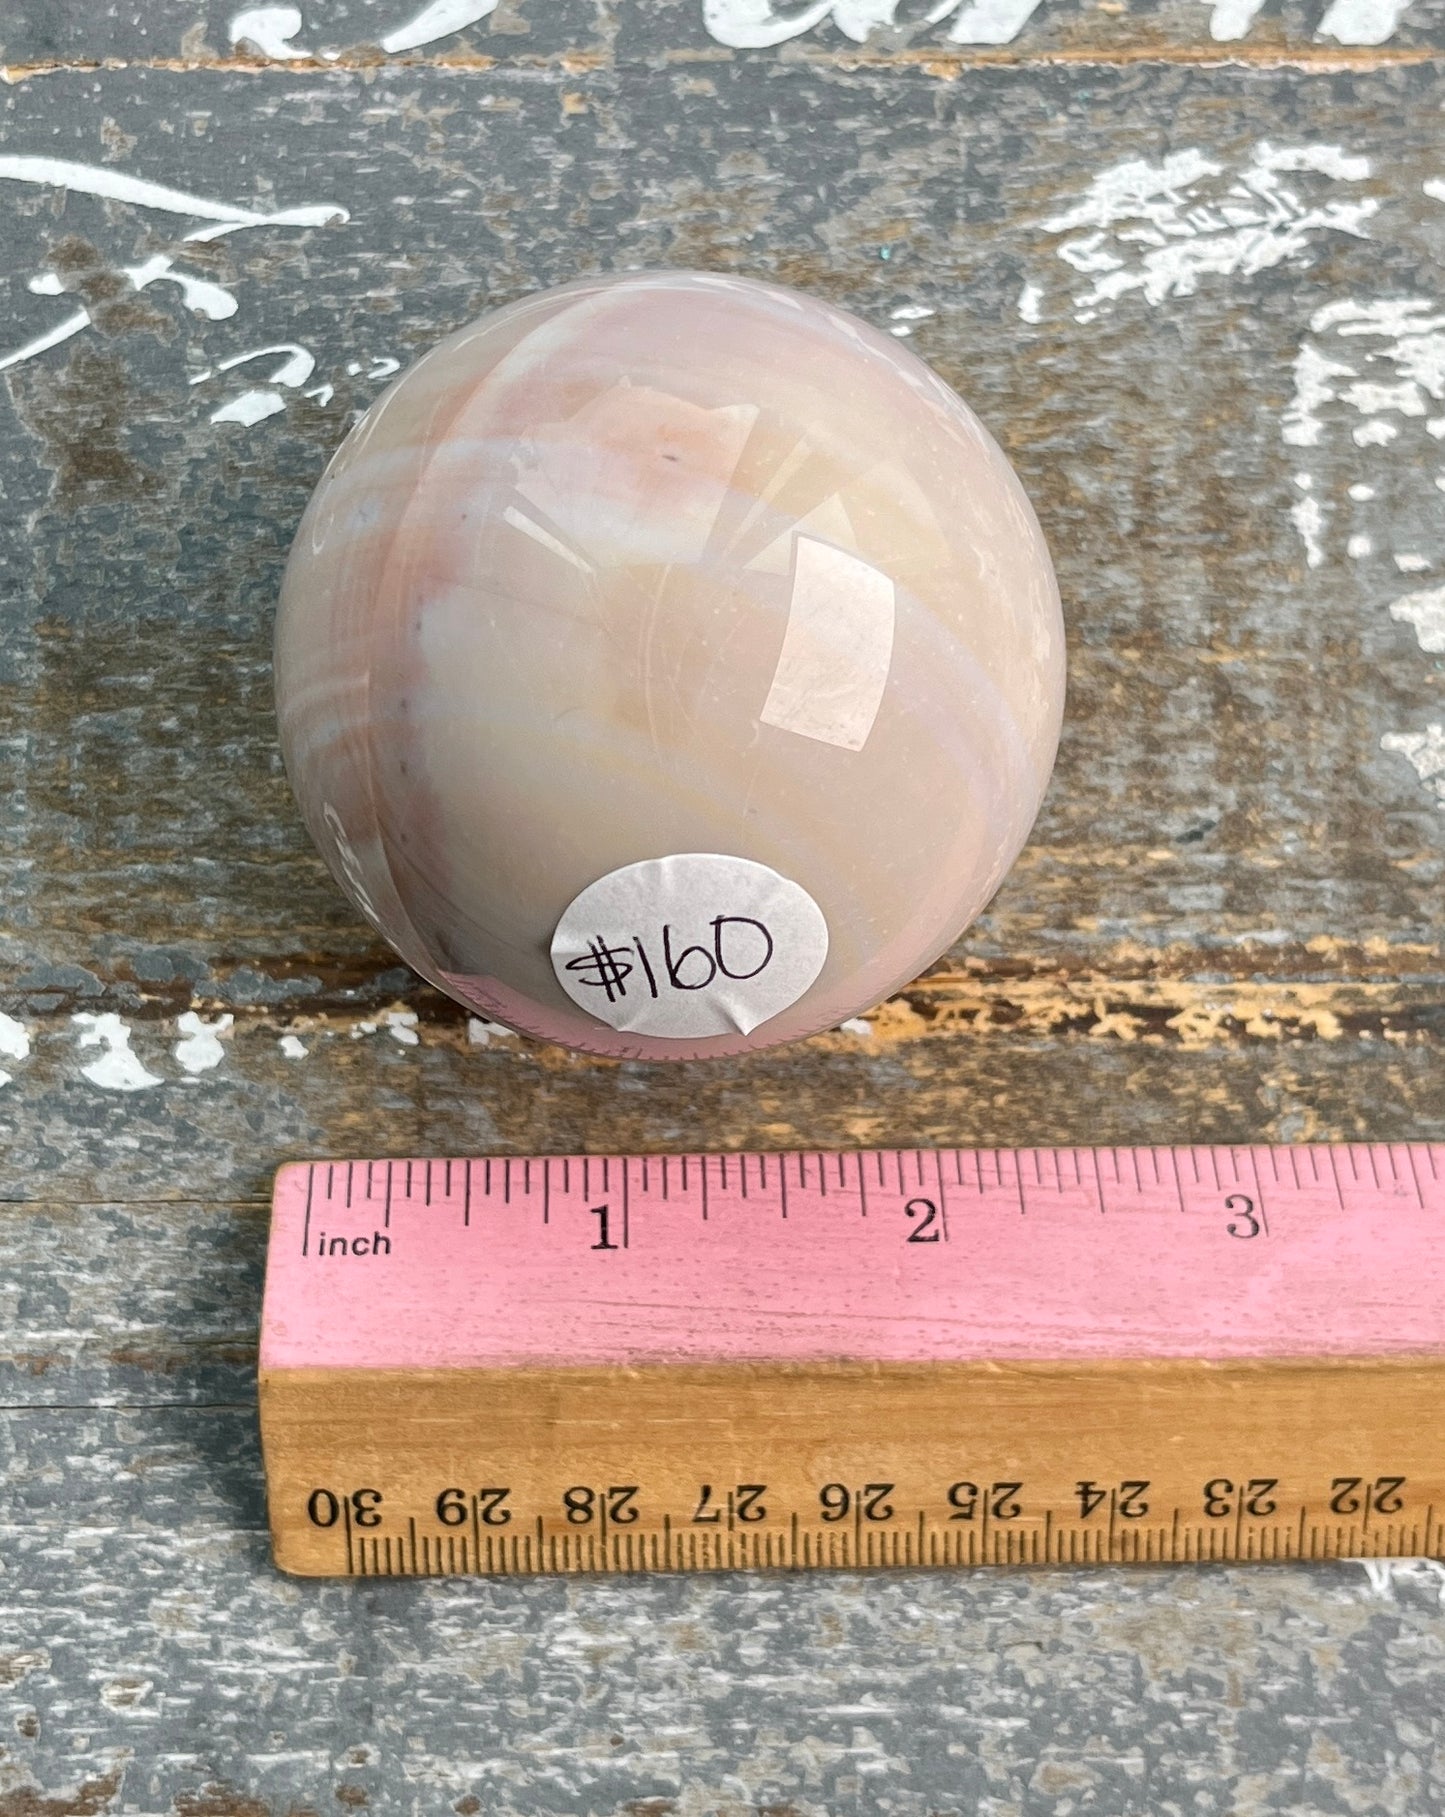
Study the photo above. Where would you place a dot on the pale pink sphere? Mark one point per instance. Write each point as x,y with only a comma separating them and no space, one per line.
669,665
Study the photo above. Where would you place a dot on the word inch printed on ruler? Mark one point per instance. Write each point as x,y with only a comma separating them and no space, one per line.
916,1358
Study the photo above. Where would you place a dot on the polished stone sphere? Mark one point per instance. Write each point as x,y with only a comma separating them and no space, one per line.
669,665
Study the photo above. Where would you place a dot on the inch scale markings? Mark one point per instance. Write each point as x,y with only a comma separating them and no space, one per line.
901,1357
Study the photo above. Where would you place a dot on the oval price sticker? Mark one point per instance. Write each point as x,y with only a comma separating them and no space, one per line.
691,945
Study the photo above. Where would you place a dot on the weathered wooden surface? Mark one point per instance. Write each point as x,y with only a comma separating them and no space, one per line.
1227,927
668,34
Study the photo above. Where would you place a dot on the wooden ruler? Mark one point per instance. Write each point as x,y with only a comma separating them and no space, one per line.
934,1358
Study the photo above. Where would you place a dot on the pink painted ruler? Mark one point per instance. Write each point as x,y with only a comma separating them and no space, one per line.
903,1256
926,1357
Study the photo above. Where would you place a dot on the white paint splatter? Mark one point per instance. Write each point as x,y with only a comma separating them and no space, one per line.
1194,219
117,186
14,1039
293,1047
250,407
1303,425
117,1069
481,1033
1358,547
268,30
203,296
754,25
1413,337
1426,612
1308,517
859,19
856,1025
400,1024
14,1044
1410,563
199,295
1370,398
1231,19
381,367
254,405
990,21
1031,299
911,312
1424,752
1384,1574
199,1049
1370,369
759,24
1362,21
43,342
439,20
297,366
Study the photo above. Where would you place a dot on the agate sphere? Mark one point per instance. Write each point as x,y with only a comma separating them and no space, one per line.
669,665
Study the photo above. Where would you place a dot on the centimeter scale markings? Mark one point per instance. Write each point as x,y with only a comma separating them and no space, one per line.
912,1358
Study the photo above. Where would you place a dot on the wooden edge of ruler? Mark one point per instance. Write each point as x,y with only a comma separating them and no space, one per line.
697,1466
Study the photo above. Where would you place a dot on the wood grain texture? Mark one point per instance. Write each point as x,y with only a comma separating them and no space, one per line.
1228,924
833,1466
581,35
